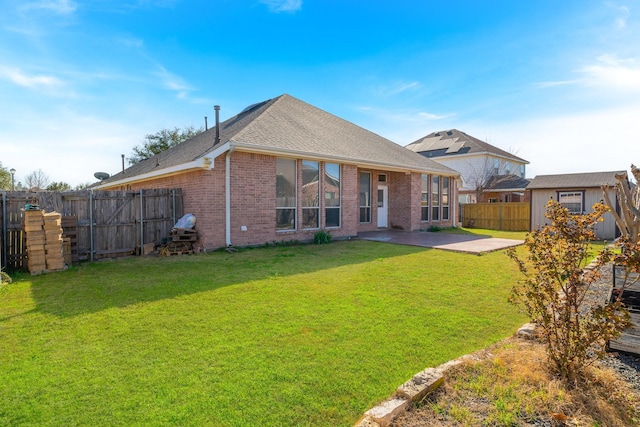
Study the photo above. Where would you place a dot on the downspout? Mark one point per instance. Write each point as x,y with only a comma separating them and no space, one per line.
227,195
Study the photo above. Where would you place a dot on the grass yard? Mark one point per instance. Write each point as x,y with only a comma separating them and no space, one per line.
300,335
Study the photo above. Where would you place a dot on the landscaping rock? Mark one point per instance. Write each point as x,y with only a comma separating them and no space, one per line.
421,384
387,411
527,331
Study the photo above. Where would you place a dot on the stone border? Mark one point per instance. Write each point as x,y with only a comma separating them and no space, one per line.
419,386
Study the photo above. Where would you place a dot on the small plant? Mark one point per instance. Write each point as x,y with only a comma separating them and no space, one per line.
434,228
321,237
4,279
555,286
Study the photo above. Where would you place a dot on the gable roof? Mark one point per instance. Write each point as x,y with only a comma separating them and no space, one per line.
574,180
506,183
455,143
284,126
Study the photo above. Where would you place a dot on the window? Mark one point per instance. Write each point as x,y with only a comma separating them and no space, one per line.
435,198
445,198
310,194
522,171
424,199
382,177
496,166
365,197
332,194
285,194
572,201
507,168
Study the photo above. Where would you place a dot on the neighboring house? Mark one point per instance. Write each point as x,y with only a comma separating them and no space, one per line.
578,192
505,188
475,160
283,169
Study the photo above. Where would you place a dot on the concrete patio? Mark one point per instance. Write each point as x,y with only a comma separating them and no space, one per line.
472,244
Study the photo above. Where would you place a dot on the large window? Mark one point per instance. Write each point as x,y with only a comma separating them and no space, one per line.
445,198
310,194
332,194
365,197
285,194
424,199
435,198
572,201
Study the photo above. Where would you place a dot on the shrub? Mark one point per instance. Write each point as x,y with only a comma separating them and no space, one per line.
555,286
321,237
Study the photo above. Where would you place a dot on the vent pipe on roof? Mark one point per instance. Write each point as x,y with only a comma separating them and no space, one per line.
206,126
122,155
217,110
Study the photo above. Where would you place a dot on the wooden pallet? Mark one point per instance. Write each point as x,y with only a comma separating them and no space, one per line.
184,235
177,248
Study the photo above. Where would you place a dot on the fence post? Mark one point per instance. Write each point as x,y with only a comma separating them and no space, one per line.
91,248
141,223
173,204
3,248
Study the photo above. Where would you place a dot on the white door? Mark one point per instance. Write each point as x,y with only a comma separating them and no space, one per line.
383,207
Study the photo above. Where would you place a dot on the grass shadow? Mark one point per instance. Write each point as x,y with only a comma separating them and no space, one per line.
93,287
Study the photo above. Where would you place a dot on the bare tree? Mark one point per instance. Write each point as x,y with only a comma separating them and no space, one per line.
37,180
628,220
481,173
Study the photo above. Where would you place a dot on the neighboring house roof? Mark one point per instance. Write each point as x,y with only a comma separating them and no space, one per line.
455,143
506,183
574,180
284,126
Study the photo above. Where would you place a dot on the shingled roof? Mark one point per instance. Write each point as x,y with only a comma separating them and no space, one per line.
574,180
454,143
288,126
506,182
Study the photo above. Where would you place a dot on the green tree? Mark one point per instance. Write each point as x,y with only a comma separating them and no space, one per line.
556,283
5,178
162,140
58,186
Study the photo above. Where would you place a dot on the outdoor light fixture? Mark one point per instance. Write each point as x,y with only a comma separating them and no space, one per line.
13,172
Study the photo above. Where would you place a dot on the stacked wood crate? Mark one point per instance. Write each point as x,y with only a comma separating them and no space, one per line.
36,237
44,241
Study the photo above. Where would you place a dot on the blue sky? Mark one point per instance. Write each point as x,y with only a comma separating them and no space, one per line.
554,82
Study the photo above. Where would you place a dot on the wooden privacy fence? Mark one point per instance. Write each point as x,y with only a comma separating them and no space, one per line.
496,216
100,224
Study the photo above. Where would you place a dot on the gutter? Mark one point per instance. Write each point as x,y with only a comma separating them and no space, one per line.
201,163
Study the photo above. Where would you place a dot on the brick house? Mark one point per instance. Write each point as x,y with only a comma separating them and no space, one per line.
283,169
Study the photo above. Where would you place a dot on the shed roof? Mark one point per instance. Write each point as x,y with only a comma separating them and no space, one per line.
506,182
454,143
290,127
575,180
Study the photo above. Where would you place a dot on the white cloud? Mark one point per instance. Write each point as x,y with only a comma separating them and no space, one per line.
624,13
61,7
278,6
16,76
613,73
172,81
595,141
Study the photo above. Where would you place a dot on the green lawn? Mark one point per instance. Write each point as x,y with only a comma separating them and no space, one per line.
300,335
